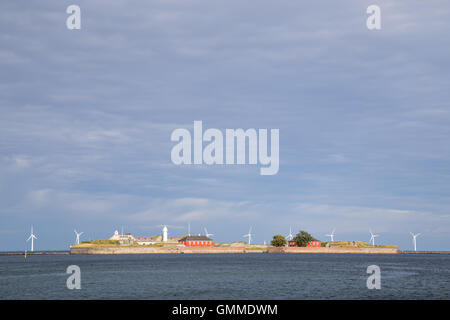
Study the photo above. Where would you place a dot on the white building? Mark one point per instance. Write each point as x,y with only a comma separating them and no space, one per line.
165,234
124,239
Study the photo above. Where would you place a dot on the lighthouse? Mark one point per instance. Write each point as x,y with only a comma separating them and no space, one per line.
164,234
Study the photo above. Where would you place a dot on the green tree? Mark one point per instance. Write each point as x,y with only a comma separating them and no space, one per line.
278,241
302,238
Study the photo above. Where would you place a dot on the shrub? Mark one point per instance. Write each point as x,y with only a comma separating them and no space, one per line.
302,238
278,241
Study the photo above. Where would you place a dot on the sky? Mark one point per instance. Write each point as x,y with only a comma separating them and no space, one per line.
86,118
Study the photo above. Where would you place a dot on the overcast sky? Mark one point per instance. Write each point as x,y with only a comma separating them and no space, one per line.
86,117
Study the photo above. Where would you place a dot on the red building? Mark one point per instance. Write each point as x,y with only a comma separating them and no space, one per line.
196,241
314,244
292,243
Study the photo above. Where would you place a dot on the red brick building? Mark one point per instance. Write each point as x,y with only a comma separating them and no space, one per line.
292,243
314,244
196,241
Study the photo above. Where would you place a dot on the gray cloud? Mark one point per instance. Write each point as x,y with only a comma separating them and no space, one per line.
86,115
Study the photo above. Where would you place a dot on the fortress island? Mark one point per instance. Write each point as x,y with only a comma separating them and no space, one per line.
162,244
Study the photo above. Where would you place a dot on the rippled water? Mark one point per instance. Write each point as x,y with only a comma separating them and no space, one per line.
226,276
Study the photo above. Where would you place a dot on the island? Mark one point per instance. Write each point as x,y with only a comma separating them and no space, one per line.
162,244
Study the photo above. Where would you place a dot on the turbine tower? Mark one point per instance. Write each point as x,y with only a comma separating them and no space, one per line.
32,237
372,237
249,235
290,236
78,236
414,240
208,234
164,230
331,235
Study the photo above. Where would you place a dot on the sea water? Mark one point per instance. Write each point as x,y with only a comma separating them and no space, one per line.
226,276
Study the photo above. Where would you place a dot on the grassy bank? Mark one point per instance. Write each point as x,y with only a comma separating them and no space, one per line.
358,244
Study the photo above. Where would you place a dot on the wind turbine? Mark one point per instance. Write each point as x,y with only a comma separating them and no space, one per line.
189,228
331,235
372,237
249,235
414,240
32,237
208,234
290,236
78,236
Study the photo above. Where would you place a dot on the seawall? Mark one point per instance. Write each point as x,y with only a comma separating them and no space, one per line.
180,250
154,250
425,252
333,250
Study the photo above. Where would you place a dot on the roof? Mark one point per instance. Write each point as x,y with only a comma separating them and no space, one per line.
195,238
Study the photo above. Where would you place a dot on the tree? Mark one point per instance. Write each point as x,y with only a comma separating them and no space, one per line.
302,238
278,241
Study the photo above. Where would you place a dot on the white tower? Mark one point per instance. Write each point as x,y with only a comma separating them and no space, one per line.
372,237
290,236
32,237
414,240
249,235
164,230
331,235
78,236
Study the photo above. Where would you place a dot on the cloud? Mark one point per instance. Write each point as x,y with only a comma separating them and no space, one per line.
86,115
354,219
338,158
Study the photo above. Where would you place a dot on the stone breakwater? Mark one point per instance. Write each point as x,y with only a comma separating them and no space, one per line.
155,250
165,250
22,253
333,250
